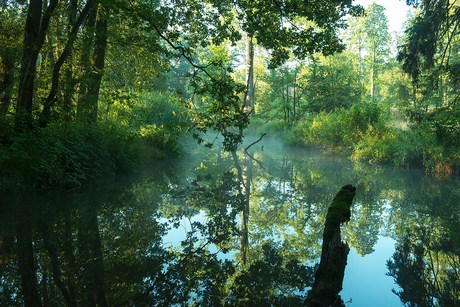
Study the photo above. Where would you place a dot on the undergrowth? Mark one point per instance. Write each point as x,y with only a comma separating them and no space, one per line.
364,133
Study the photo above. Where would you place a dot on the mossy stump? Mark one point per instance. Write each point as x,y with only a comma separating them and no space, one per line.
331,270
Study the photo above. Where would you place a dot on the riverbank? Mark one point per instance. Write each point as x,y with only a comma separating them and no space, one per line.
368,134
43,157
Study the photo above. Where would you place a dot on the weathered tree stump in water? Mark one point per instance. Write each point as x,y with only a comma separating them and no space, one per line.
329,276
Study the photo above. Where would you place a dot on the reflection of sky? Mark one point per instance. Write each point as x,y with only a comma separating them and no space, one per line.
176,235
365,282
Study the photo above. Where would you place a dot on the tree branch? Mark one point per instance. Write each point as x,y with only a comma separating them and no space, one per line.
261,136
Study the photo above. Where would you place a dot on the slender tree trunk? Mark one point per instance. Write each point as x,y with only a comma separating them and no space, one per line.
373,76
250,73
84,75
97,262
294,92
48,241
69,77
100,46
34,37
287,100
244,177
47,58
91,249
71,37
439,101
361,69
69,256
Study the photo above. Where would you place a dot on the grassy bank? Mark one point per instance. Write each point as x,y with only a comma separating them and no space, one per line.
366,133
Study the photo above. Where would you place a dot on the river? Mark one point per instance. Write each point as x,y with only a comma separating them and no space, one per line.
211,228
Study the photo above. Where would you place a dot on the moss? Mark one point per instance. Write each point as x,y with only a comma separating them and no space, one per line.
339,210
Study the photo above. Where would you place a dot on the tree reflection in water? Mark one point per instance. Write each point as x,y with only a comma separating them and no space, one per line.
427,268
102,244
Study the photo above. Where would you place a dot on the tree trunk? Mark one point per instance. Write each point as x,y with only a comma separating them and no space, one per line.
84,75
34,37
69,77
71,37
68,249
331,270
373,77
287,100
91,251
294,96
250,73
244,177
97,262
100,46
47,233
361,69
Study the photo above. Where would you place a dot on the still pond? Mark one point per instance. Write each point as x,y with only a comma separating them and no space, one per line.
216,229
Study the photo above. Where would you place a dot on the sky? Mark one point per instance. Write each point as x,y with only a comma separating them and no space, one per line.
396,11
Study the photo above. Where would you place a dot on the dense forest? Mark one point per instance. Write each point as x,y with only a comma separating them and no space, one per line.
94,87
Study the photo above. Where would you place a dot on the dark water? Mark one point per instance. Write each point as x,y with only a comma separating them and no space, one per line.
170,234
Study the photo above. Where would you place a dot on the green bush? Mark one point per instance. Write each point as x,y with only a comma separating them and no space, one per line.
413,147
375,146
163,139
364,133
343,129
131,126
155,108
135,109
43,157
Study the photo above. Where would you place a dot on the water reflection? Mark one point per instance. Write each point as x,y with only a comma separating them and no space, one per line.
253,234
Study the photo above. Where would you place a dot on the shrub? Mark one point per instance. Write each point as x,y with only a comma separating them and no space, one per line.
162,139
43,157
376,146
413,147
363,133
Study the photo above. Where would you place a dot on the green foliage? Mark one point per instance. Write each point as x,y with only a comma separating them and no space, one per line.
342,129
161,138
376,146
369,32
363,134
325,129
134,109
46,156
429,56
153,116
421,279
272,128
330,83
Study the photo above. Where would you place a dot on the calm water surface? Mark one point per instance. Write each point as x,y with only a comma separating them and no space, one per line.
173,234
